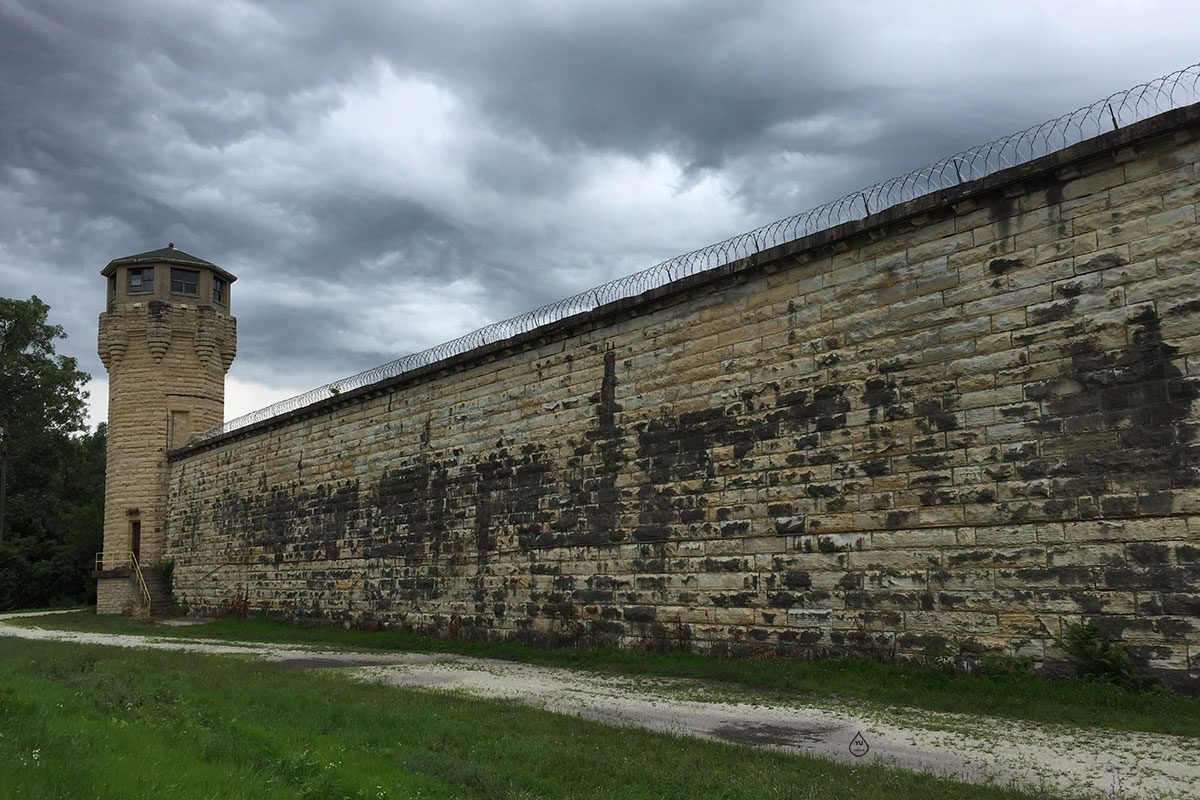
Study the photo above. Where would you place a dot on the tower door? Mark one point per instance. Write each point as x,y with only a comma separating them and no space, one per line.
136,539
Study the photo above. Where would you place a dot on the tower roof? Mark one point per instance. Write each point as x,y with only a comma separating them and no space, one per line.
165,255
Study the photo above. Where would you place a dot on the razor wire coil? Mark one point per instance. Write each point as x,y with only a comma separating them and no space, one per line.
1176,90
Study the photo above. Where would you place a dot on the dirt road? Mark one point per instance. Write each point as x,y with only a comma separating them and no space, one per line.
1058,759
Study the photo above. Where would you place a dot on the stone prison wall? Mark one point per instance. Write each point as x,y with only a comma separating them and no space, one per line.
957,426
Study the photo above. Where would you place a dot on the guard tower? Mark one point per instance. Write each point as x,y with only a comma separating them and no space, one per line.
167,339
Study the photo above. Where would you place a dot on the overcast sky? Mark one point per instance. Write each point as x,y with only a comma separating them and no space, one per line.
383,176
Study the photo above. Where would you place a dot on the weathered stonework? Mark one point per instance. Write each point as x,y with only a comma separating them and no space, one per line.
166,356
967,421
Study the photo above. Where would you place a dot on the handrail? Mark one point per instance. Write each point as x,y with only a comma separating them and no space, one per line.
1176,90
124,559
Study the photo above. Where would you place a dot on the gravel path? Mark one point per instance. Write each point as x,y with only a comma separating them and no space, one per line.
1060,759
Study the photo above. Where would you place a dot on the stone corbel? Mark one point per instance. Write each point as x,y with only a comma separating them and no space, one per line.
158,330
229,345
111,340
206,338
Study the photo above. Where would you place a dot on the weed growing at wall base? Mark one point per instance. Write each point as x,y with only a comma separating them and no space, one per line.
97,722
235,607
1098,658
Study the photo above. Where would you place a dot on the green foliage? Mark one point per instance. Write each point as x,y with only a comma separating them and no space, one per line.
39,390
1005,666
306,775
1098,658
56,518
947,657
941,655
51,479
165,570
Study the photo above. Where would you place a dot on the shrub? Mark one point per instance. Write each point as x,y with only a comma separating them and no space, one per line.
1098,658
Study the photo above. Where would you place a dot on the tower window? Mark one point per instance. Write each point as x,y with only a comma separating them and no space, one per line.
141,280
185,280
218,289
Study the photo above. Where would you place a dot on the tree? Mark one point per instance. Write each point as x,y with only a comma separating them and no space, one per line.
41,392
51,479
55,520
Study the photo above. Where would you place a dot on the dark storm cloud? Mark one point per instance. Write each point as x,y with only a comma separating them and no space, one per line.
385,176
335,231
701,81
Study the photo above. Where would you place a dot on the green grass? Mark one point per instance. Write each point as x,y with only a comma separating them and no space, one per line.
1070,702
104,722
65,607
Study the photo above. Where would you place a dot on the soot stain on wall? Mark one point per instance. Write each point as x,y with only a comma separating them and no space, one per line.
1116,423
520,497
998,447
514,497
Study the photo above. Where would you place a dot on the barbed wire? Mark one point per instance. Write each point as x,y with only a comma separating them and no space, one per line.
1118,110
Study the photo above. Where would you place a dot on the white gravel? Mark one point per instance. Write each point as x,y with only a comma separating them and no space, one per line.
1060,759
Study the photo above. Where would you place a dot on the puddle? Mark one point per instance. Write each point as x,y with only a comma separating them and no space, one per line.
781,735
317,662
